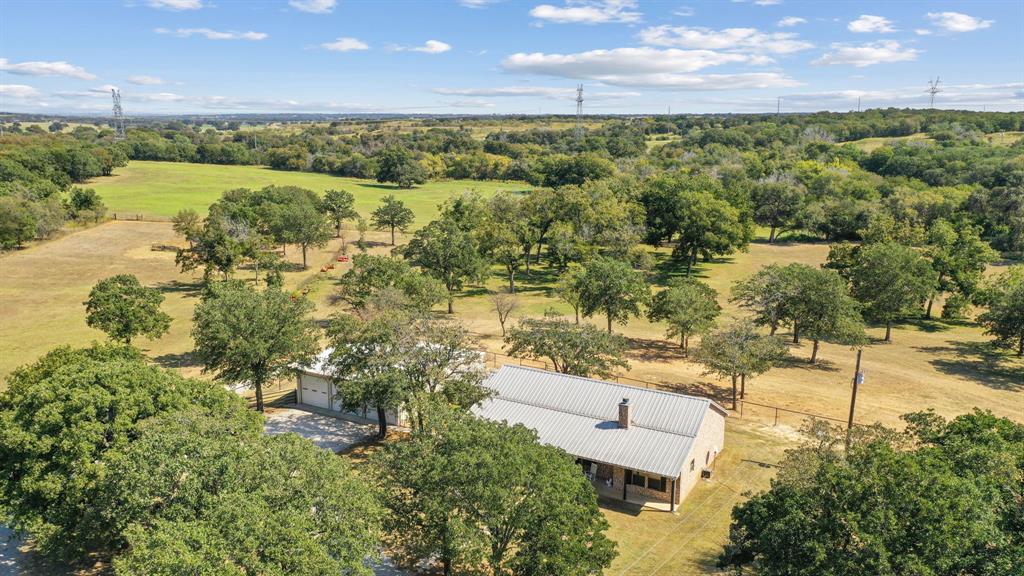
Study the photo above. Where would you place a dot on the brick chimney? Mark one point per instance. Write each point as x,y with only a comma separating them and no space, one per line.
624,413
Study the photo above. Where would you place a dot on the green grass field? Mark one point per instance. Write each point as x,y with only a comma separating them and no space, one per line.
160,189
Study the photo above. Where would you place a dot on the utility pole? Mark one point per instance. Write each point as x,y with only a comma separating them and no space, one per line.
858,103
858,379
933,89
579,112
778,107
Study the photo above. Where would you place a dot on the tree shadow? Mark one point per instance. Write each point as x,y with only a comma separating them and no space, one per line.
718,393
188,289
653,350
180,360
980,362
805,364
668,267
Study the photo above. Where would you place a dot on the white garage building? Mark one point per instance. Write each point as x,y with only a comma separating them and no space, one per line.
316,389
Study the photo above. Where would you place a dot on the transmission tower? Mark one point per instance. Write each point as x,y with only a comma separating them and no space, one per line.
118,115
579,112
933,89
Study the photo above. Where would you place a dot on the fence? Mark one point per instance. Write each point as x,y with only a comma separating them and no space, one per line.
766,413
138,217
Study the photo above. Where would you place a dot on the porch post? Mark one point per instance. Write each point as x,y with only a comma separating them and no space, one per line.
625,482
672,505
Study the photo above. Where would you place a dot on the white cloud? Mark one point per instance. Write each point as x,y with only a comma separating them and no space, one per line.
429,47
176,4
739,39
922,32
60,68
345,45
313,6
684,11
471,104
213,34
790,21
869,54
477,3
957,22
868,24
18,91
767,2
646,67
144,80
589,12
531,91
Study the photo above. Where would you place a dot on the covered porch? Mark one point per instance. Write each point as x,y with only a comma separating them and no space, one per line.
631,486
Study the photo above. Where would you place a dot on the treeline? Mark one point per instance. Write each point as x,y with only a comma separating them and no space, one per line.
37,184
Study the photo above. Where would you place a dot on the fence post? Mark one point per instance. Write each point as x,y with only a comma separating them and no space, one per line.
776,417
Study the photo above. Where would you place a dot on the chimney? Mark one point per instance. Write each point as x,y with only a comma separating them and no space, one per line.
624,413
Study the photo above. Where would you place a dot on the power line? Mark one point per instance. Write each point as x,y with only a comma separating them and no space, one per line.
118,115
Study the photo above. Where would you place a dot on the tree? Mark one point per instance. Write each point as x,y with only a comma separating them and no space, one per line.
581,350
187,224
1004,319
769,294
568,289
467,493
691,209
366,362
194,494
396,164
959,257
688,307
446,251
392,214
614,288
94,401
504,303
395,360
506,249
562,170
340,206
824,310
124,309
17,222
371,278
250,337
738,351
85,203
776,204
941,498
304,224
892,281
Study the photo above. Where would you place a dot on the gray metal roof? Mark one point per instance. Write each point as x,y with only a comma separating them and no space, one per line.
579,415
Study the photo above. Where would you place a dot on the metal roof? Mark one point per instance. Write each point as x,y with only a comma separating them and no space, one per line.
580,416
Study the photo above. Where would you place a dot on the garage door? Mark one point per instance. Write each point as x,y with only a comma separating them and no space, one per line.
315,392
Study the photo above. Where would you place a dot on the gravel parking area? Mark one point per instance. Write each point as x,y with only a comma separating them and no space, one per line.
334,434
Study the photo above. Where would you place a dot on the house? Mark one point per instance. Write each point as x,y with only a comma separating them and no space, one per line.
315,388
633,443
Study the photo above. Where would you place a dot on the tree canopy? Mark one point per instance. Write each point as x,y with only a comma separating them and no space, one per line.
1004,317
613,288
392,215
249,337
941,498
124,309
892,282
579,349
688,306
59,419
465,493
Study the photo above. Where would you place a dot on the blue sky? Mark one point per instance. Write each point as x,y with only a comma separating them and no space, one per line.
494,56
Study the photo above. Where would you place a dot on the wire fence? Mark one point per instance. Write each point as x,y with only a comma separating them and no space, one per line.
745,409
134,217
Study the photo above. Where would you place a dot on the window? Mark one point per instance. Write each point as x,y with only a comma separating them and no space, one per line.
658,484
635,479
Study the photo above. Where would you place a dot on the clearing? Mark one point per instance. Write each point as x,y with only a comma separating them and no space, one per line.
157,190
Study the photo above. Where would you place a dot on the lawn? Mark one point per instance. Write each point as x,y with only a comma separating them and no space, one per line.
160,189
